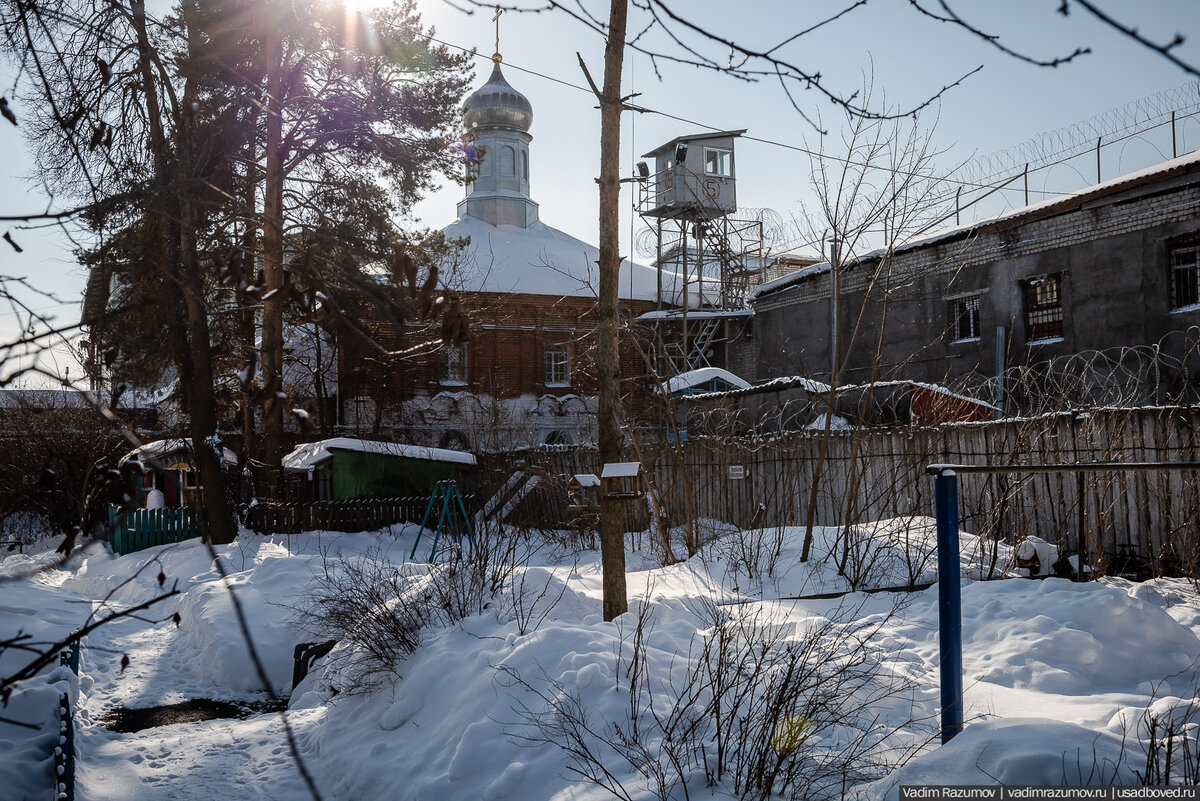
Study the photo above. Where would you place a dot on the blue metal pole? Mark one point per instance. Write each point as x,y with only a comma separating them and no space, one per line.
949,604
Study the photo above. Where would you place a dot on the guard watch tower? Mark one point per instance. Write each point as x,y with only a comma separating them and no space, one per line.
707,260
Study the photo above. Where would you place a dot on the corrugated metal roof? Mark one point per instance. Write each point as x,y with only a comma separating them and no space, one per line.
694,138
1055,205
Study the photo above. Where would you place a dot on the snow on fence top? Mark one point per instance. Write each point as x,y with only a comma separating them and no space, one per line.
310,454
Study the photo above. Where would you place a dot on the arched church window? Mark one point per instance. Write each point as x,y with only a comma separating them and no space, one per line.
525,165
454,440
559,437
509,161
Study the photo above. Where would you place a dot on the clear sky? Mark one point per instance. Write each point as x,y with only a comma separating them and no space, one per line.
910,56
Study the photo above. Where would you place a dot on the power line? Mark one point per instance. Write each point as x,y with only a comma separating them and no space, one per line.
761,140
944,197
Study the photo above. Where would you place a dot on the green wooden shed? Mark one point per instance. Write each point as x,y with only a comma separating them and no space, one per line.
345,468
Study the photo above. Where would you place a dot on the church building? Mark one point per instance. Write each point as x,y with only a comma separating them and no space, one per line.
525,376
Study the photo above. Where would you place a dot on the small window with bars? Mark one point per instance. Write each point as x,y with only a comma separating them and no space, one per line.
1043,307
558,365
964,319
1185,277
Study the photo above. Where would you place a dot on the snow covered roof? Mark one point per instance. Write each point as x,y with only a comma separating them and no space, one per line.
817,388
1129,180
774,385
621,470
161,447
782,281
703,376
540,260
310,454
695,314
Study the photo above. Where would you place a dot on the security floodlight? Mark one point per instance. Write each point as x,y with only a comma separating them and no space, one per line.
680,154
643,170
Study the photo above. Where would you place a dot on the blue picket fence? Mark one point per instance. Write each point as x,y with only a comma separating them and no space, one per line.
145,528
64,748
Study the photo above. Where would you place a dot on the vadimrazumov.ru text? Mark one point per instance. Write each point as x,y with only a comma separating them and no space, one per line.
941,792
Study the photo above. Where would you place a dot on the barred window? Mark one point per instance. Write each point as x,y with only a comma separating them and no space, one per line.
1043,307
454,364
964,318
1185,277
558,364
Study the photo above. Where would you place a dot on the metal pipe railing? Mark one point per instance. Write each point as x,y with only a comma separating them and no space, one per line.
949,582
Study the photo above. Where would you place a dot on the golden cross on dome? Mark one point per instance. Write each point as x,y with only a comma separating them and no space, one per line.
496,19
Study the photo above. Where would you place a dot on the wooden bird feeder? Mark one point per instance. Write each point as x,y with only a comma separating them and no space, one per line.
583,490
622,480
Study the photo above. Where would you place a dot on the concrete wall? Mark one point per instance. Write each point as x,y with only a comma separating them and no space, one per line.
1112,252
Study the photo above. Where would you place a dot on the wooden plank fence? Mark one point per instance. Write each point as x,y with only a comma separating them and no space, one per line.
874,474
346,516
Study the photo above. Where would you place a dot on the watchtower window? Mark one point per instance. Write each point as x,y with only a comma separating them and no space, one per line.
718,162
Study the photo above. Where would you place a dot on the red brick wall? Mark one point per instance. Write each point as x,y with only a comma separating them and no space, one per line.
505,359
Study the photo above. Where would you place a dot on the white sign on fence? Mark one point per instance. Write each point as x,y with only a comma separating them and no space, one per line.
737,472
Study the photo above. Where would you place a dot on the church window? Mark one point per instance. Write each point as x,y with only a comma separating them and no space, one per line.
558,364
454,364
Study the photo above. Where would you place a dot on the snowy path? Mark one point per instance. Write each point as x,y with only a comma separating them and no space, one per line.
231,759
201,761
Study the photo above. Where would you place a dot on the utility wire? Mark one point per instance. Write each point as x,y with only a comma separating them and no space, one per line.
776,143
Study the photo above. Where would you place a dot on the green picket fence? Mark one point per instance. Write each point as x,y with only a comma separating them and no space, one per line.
145,528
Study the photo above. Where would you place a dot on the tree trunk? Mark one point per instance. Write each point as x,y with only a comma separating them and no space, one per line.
195,356
202,402
608,362
272,240
247,322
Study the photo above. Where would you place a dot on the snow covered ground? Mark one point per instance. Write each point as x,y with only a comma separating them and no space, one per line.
1061,678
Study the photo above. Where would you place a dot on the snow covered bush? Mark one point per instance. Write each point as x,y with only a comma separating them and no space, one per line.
1161,741
755,553
378,609
366,604
757,707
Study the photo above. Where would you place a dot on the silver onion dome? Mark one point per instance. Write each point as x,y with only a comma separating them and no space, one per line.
497,105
